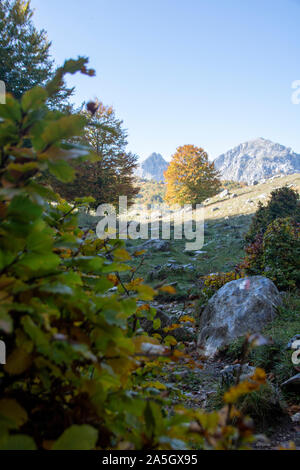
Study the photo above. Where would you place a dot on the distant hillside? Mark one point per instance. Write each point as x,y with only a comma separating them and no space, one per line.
257,160
153,168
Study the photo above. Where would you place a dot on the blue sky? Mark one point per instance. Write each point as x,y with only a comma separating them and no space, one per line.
213,73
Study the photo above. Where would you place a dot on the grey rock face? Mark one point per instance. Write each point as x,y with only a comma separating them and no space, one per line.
239,307
256,160
153,168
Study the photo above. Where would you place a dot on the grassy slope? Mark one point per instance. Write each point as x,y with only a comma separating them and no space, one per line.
223,242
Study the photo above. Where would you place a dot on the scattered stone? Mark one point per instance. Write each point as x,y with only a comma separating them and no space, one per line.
240,307
154,245
233,195
216,209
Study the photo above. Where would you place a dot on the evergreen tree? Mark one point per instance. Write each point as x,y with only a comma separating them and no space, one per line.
112,175
24,51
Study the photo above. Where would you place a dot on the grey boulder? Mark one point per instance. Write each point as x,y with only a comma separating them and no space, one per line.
239,307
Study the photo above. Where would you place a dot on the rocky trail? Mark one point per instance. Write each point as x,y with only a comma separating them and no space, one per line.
200,387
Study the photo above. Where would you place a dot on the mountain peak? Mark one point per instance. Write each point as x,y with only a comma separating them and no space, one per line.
153,167
257,159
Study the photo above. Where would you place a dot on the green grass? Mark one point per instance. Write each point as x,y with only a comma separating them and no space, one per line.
274,357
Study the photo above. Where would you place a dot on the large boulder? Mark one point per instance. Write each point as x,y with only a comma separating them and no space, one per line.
240,307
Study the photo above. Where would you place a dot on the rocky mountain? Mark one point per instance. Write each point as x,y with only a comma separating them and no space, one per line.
153,168
257,160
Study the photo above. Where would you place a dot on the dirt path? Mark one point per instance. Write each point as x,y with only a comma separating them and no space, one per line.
199,389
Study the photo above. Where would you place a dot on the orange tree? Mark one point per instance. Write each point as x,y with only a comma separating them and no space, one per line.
190,177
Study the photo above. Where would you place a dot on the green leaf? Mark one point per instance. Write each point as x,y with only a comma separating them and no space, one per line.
24,210
11,110
77,437
36,263
34,98
37,335
13,413
63,128
18,442
6,323
61,170
156,323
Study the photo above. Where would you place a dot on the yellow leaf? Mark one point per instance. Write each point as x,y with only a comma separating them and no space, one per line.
187,318
157,385
122,254
168,289
145,292
139,253
13,411
18,361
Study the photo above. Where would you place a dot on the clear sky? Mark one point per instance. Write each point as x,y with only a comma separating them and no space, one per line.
213,73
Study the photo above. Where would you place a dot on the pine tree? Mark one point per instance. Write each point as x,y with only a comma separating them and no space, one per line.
24,51
190,177
113,174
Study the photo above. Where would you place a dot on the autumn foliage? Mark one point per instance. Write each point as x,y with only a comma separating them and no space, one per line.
190,177
80,371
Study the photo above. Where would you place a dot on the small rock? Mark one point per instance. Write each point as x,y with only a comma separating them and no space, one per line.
224,193
296,418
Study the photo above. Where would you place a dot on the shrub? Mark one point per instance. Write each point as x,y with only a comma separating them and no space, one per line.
281,253
276,254
214,282
284,202
71,342
253,262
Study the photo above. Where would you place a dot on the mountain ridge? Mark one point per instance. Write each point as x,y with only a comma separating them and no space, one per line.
256,160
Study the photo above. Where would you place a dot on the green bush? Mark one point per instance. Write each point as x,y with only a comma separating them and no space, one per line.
273,357
284,202
276,254
281,253
71,342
